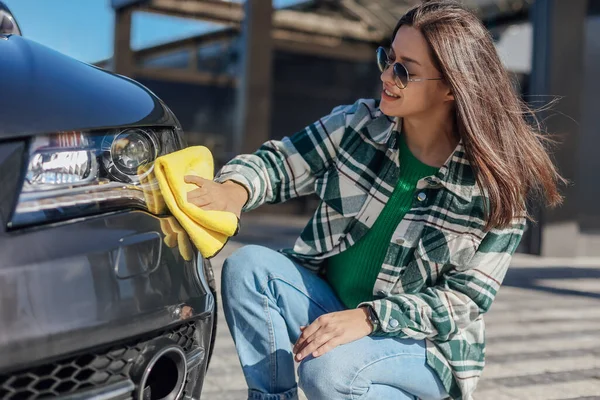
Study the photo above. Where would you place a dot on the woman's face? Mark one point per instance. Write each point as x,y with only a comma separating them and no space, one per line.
411,49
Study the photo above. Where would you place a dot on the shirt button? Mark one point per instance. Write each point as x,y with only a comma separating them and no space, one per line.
421,196
400,241
393,323
381,293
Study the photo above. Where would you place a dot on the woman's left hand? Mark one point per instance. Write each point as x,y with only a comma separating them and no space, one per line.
331,330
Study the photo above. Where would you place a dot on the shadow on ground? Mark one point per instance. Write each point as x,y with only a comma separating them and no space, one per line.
529,278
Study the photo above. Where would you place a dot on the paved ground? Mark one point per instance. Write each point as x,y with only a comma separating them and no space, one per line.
543,330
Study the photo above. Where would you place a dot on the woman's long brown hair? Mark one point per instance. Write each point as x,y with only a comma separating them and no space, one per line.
507,152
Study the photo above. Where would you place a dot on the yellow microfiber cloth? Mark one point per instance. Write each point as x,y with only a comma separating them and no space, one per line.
152,196
208,230
176,236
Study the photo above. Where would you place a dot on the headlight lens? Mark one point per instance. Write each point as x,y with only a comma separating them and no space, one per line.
73,174
129,151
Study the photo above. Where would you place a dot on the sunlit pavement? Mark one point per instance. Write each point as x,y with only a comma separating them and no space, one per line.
543,330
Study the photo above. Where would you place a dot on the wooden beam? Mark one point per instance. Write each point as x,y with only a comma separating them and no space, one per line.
307,91
366,12
185,76
292,42
181,43
383,21
223,12
323,25
232,14
326,47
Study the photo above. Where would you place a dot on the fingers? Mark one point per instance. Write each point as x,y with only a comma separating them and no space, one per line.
329,331
330,345
203,200
195,180
199,197
310,334
296,345
319,339
209,195
307,332
312,328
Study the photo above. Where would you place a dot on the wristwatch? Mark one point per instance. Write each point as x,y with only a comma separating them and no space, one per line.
372,317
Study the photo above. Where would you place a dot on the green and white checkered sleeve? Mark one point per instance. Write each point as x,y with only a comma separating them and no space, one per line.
283,169
459,297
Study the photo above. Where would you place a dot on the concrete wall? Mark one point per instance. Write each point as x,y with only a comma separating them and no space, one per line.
588,184
589,158
581,236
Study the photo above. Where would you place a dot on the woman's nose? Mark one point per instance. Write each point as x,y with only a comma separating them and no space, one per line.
386,76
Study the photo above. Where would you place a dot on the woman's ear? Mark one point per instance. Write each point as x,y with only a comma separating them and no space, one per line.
449,96
446,90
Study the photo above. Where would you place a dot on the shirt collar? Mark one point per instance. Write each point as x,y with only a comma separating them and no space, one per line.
456,175
380,128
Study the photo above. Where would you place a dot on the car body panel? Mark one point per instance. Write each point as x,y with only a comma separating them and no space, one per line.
95,303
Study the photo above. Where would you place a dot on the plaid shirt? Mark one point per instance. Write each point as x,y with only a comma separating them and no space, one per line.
441,270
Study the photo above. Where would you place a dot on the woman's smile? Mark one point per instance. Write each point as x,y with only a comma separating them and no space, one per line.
389,95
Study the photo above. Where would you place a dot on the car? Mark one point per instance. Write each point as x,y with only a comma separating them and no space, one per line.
97,297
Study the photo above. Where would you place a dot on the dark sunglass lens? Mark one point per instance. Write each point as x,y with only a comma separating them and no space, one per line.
381,59
400,75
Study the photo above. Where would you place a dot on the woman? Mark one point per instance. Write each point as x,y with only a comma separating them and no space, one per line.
422,207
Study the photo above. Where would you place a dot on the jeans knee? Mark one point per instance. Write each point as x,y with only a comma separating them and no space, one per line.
244,266
323,378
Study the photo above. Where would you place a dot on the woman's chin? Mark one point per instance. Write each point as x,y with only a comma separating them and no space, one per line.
390,110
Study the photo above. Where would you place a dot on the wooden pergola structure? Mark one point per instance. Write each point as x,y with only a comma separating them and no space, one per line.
343,29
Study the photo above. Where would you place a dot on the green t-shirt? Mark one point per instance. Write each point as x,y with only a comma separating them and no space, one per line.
352,273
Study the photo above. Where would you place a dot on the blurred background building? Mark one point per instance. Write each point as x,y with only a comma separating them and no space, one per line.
267,72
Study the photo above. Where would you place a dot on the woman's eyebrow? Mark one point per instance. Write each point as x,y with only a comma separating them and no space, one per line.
410,60
405,59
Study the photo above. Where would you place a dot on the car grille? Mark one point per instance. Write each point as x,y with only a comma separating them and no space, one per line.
89,370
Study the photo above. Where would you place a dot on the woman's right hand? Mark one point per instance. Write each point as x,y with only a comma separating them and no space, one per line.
210,195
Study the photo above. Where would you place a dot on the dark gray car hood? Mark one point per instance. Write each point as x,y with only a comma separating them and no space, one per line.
43,91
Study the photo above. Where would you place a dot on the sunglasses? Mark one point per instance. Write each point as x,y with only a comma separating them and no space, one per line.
399,71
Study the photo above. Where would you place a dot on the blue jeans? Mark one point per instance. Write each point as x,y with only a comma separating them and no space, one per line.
267,297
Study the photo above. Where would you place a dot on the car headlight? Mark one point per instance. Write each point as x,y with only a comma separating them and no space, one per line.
72,174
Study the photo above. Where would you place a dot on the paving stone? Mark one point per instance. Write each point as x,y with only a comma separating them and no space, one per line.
543,337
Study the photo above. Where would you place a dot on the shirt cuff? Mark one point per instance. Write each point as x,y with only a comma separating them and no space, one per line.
390,323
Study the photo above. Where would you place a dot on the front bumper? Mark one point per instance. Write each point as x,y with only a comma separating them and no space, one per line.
81,301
